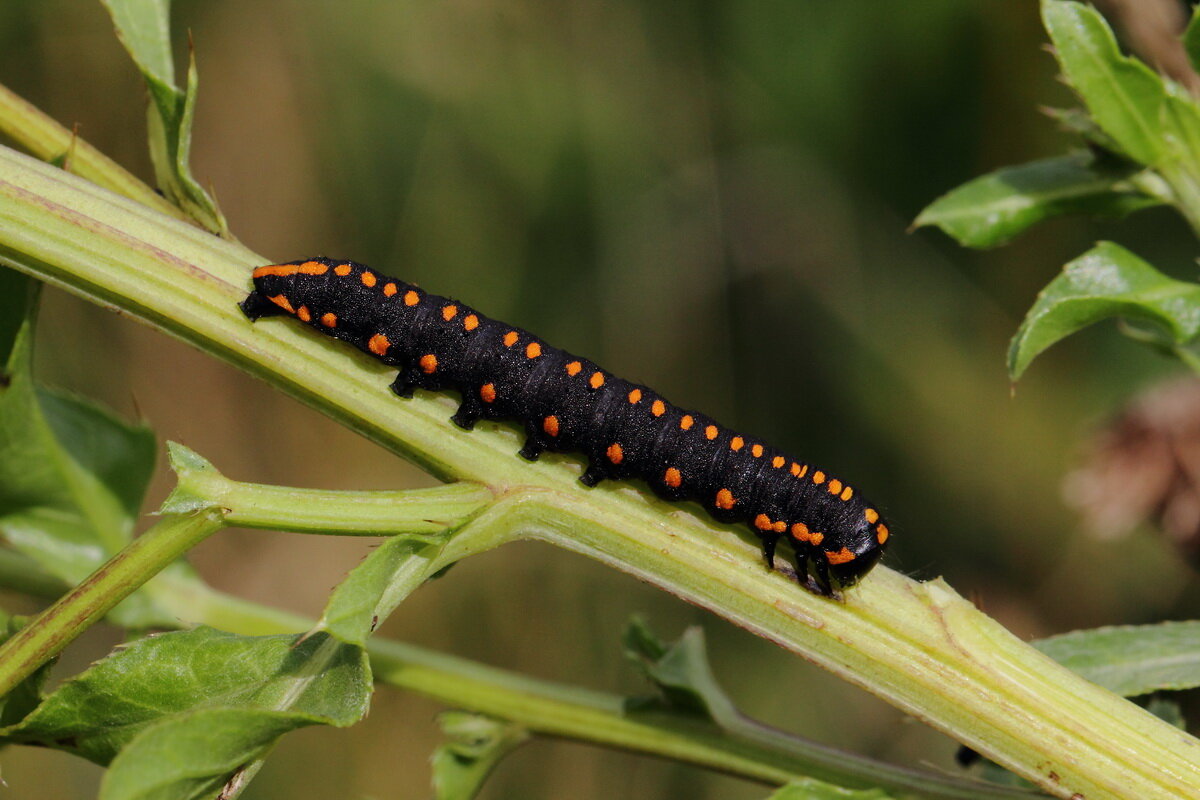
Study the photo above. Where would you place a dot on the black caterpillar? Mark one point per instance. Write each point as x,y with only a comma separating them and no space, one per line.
568,403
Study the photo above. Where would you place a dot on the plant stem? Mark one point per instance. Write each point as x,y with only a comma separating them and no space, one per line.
919,646
53,629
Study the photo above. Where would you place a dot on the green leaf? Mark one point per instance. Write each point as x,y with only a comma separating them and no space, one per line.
1078,122
1168,710
1134,659
364,598
994,208
194,755
681,672
316,679
1107,281
811,789
477,743
72,478
143,26
1124,96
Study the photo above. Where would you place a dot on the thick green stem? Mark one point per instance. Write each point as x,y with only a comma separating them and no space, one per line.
74,612
919,646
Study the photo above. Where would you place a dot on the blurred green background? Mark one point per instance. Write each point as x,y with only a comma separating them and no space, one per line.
709,197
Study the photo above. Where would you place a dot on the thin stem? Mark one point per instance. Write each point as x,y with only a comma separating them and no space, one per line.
74,612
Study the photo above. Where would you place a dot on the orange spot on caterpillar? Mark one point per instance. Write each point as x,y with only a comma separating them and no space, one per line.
658,408
881,533
800,532
368,279
835,486
872,515
779,526
341,270
795,469
303,313
449,312
672,478
816,537
615,454
840,557
803,471
818,477
597,380
533,350
550,425
428,363
635,396
488,392
378,344
283,303
725,499
274,269
736,443
847,493
756,451
329,320
313,268
573,368
686,422
763,522
389,289
711,432
471,322
411,298
778,461
510,338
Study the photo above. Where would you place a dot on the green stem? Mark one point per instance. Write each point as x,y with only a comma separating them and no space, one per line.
74,612
285,508
918,645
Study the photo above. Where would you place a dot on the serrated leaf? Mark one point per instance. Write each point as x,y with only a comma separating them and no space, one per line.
192,756
1107,281
994,208
1124,96
681,672
1134,659
97,713
1077,121
143,26
810,789
361,601
476,744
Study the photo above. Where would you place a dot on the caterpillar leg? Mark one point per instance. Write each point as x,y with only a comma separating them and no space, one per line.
819,583
255,306
468,414
768,543
532,449
593,475
404,384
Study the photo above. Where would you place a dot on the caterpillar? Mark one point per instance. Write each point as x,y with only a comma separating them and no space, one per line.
567,403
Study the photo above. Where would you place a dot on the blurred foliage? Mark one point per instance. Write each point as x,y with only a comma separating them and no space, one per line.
708,197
